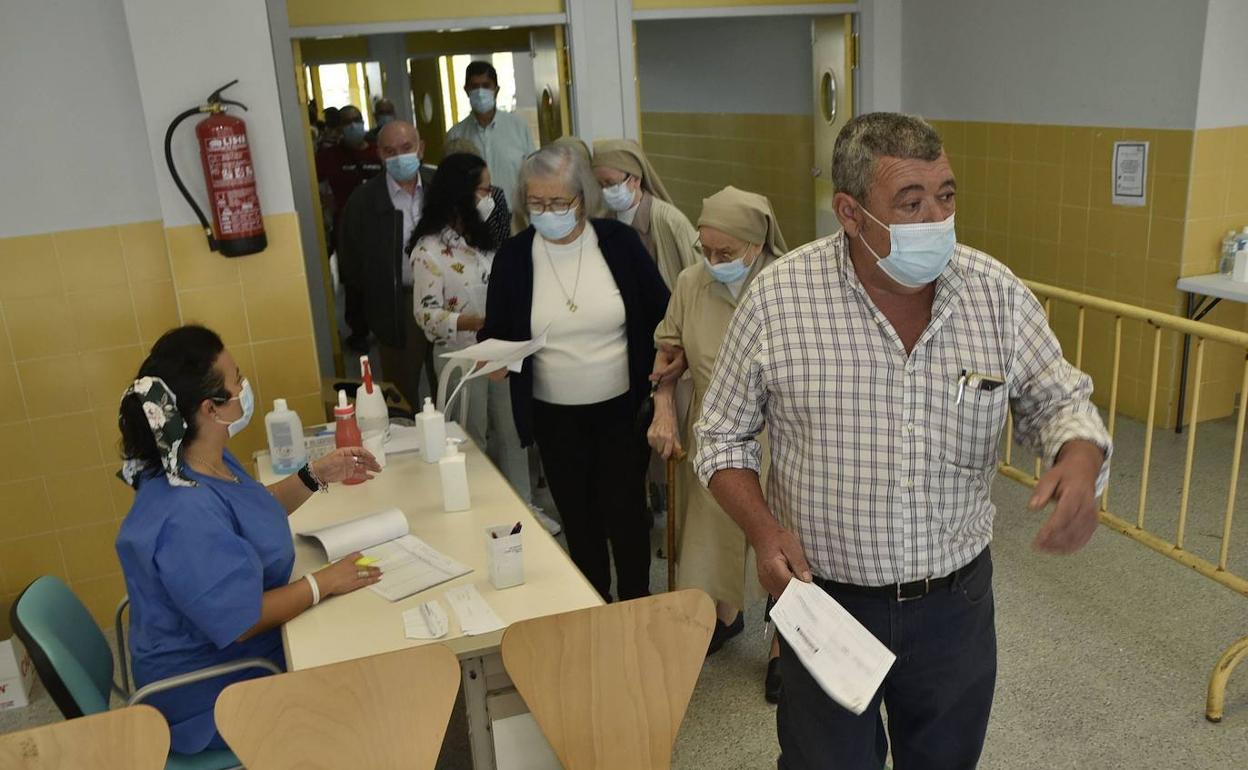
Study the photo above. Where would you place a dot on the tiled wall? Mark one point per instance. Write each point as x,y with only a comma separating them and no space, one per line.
78,311
1037,197
698,154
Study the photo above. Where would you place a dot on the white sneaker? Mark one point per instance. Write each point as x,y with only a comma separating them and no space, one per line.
548,524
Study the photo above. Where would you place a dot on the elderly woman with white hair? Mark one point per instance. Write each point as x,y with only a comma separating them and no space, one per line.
592,287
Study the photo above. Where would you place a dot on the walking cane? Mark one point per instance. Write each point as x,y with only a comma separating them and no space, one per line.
673,463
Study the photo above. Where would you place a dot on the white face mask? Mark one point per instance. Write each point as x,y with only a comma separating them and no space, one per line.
485,207
247,400
619,197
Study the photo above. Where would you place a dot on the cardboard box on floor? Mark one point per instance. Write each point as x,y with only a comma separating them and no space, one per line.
329,395
17,675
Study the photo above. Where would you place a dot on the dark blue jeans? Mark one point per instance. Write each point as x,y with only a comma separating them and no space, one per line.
938,693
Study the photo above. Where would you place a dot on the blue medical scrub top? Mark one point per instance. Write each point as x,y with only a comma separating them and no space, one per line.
196,562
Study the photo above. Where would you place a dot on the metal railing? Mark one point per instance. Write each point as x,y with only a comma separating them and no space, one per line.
1200,333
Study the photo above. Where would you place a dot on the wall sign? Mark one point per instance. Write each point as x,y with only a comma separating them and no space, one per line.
1130,173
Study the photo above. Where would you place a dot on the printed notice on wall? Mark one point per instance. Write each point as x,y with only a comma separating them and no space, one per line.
1130,173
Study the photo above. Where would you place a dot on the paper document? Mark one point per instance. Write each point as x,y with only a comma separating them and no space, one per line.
847,661
496,354
475,616
428,621
409,565
338,540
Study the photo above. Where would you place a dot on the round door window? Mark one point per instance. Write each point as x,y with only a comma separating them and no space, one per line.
828,96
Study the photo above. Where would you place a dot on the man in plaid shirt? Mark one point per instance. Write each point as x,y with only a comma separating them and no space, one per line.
883,361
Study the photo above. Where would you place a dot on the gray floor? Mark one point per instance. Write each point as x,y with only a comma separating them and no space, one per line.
1104,656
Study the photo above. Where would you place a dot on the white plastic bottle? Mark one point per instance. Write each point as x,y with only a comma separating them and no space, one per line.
1229,247
371,412
1241,240
285,432
432,432
454,473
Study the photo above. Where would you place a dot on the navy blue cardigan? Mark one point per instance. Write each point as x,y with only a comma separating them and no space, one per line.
509,308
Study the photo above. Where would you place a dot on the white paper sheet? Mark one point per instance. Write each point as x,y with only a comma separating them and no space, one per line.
847,661
359,534
1130,173
475,615
409,565
428,621
496,354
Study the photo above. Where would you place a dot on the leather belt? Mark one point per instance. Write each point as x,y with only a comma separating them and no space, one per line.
904,592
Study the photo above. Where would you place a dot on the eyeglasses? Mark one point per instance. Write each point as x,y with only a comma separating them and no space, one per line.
605,185
722,255
554,205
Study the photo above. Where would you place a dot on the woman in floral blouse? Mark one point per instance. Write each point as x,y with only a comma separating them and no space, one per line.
452,250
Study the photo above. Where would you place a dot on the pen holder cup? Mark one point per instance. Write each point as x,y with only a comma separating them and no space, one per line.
506,556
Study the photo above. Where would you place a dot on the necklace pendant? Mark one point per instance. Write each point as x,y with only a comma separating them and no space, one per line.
571,306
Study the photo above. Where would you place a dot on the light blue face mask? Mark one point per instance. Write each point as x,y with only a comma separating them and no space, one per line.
728,272
552,226
920,252
247,400
353,132
481,100
403,168
619,197
383,119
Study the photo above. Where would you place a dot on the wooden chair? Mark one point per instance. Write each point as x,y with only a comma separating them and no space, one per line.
134,738
609,685
383,712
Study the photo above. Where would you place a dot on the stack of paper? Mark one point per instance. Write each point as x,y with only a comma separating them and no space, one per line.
847,661
475,616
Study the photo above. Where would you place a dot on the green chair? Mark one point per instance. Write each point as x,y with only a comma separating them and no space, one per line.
75,664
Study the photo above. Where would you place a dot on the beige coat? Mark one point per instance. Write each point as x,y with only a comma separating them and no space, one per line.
668,236
713,552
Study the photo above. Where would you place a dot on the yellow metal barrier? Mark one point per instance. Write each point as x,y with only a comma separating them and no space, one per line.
1201,333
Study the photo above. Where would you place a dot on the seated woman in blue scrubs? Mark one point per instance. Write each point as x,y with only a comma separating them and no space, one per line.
206,550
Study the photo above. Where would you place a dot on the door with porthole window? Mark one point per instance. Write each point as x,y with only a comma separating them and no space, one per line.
833,45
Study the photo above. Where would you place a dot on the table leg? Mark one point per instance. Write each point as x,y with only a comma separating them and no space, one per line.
479,736
1187,345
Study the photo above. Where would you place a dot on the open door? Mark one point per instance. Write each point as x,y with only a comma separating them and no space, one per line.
550,77
834,58
426,81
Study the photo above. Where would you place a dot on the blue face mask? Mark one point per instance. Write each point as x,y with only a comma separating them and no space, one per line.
481,99
247,400
920,252
728,272
383,119
552,226
403,168
619,197
353,132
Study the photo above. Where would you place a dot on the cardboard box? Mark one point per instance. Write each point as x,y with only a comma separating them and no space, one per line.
17,675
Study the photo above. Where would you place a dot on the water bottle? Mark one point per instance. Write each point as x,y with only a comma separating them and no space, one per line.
285,432
1229,247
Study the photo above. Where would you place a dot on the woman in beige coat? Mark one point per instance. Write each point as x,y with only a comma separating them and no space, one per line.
635,195
739,238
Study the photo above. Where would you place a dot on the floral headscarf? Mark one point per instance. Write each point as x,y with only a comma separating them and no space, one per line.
160,406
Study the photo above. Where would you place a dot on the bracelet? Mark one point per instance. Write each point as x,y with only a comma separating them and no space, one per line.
311,480
316,589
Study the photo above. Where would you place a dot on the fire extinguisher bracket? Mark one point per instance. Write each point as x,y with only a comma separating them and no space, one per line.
237,227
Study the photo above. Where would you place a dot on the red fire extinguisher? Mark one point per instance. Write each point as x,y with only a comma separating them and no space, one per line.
237,225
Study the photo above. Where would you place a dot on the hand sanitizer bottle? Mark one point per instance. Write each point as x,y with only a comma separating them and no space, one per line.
285,432
454,473
432,432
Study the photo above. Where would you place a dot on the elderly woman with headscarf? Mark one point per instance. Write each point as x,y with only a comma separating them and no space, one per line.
636,196
590,287
738,238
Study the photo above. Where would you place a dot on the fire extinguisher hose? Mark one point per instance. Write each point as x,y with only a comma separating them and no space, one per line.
177,180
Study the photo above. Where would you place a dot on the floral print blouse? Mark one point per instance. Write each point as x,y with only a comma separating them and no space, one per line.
449,277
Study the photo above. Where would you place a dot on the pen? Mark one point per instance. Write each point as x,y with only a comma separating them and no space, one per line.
516,529
961,387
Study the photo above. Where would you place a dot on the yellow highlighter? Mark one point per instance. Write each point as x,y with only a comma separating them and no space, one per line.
365,561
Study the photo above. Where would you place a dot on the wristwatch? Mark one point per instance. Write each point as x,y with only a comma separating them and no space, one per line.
310,480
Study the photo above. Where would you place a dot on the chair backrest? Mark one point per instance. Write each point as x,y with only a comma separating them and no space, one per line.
134,738
383,712
609,685
69,653
452,372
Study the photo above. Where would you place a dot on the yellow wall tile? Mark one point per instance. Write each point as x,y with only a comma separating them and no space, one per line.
12,406
105,374
1103,146
143,248
277,309
90,259
1237,191
1049,182
1170,196
1172,153
17,461
89,551
121,492
53,386
104,319
156,307
24,509
1050,140
1210,150
998,180
999,138
108,432
194,266
28,558
1077,146
1208,196
65,443
1023,138
6,351
311,409
287,368
975,140
998,214
40,327
220,308
282,258
29,267
1131,234
1165,240
80,498
1076,185
101,595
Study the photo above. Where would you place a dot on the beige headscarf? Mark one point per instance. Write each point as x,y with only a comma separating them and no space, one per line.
743,215
576,143
626,155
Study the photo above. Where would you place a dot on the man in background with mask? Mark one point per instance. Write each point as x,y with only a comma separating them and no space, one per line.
340,169
383,113
502,137
372,256
883,361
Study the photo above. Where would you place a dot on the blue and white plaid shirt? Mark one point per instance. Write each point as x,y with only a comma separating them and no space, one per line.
877,466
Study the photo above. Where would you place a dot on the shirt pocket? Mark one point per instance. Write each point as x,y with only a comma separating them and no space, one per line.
973,424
